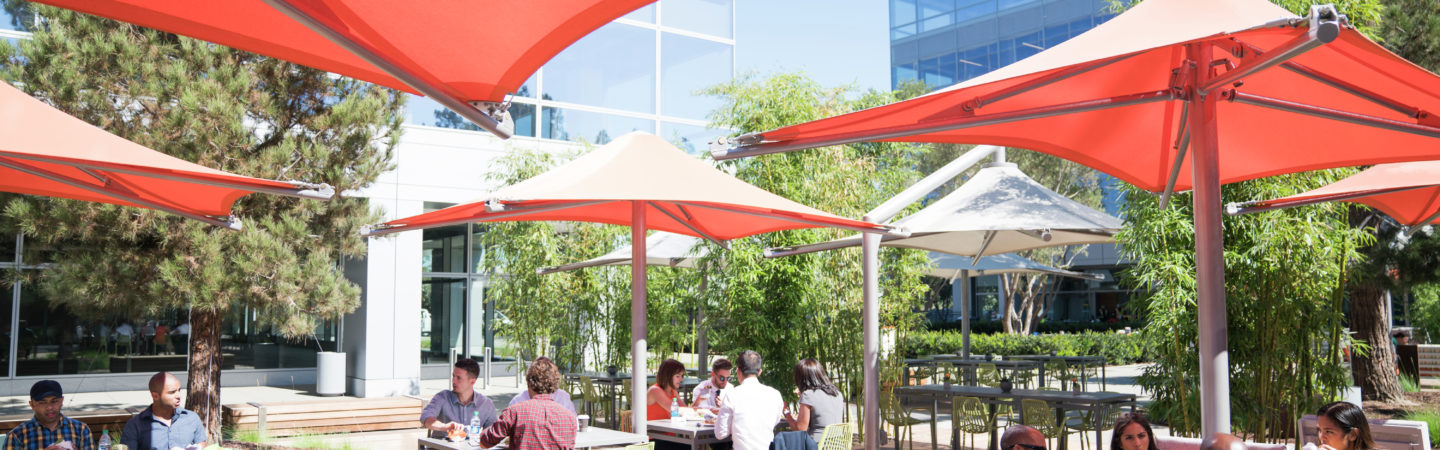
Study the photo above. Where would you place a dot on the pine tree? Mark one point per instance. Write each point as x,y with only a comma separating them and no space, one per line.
221,108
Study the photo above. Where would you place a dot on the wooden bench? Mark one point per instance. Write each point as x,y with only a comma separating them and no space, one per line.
341,415
98,421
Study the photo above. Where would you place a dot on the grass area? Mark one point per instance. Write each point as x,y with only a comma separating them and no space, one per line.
251,436
1432,419
318,441
1409,384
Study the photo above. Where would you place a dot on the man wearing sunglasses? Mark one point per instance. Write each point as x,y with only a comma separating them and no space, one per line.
1021,437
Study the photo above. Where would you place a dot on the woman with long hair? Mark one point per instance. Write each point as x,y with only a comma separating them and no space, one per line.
1343,427
1132,432
820,404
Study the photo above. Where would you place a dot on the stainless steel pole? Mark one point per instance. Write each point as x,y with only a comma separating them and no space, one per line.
870,253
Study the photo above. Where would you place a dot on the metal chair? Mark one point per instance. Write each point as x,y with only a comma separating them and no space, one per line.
895,414
1056,370
646,446
835,437
970,417
986,374
1023,377
1103,418
945,371
593,397
1039,415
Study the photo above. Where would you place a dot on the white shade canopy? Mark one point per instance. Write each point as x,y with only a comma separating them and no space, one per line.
661,249
999,210
952,266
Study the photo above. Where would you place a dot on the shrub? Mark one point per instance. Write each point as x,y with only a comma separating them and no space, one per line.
1115,348
1432,419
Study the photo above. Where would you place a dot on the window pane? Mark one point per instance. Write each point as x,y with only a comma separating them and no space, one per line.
254,346
443,249
18,16
528,89
692,139
613,67
645,14
688,65
52,341
585,126
712,17
902,12
7,249
480,335
46,337
932,8
442,302
524,116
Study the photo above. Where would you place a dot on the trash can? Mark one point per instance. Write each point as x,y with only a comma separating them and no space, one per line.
330,373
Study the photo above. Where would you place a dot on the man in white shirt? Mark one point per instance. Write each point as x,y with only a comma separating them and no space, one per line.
749,413
706,392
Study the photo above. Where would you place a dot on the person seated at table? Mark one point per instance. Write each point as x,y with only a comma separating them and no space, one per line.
1342,426
539,423
1132,432
749,412
820,404
1022,437
452,409
663,392
164,424
561,397
709,390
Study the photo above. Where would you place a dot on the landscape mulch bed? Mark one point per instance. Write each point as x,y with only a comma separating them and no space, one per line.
1429,399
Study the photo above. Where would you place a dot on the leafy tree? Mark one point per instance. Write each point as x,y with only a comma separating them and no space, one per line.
808,305
221,108
1284,275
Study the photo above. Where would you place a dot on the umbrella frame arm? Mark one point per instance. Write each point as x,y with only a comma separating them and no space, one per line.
883,230
957,123
461,107
1250,207
688,225
1333,114
301,189
385,228
115,188
1324,28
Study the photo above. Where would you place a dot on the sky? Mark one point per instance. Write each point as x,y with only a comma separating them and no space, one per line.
835,42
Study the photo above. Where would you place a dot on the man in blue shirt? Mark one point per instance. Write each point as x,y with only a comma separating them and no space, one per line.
164,425
453,408
49,429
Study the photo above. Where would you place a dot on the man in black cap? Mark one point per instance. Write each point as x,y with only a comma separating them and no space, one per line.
49,430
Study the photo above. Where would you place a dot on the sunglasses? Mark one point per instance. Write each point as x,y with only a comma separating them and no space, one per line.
1030,447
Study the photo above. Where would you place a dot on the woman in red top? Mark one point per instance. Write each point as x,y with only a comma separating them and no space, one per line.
667,386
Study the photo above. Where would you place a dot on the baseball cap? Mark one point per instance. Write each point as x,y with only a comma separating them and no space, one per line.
45,388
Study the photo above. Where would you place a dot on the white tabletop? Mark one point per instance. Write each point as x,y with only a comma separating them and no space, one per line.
591,437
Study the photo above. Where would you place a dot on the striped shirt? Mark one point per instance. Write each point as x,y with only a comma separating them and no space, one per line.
537,424
30,435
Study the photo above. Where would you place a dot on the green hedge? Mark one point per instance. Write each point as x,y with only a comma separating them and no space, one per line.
994,326
1116,348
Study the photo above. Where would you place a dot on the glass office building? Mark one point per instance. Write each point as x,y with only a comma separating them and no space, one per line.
423,295
943,42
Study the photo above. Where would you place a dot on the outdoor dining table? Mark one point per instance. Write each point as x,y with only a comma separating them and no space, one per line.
694,433
1062,401
611,382
592,437
1080,361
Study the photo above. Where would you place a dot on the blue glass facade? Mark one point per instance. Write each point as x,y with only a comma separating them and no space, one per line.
943,42
639,73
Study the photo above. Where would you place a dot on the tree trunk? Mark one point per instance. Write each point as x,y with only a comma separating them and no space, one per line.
1375,372
205,360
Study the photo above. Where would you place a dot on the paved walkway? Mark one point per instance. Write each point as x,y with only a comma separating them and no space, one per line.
1121,379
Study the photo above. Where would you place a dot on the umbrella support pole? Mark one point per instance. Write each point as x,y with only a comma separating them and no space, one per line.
870,318
637,318
1209,251
965,306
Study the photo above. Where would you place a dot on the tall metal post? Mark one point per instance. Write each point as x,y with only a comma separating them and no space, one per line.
870,253
637,317
965,301
1209,248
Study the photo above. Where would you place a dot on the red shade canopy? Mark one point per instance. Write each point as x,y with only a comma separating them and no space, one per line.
44,151
1407,192
1108,99
464,50
681,194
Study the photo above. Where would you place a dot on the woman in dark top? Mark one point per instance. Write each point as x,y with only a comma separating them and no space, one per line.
820,404
1132,432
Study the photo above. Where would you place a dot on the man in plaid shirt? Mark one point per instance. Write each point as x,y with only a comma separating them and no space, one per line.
538,423
49,430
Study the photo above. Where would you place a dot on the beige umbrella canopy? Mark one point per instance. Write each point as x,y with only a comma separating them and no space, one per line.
641,181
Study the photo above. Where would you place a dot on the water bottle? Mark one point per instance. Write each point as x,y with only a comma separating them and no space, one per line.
472,433
675,410
104,440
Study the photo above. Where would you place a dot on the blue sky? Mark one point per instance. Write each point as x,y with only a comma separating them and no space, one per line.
835,42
